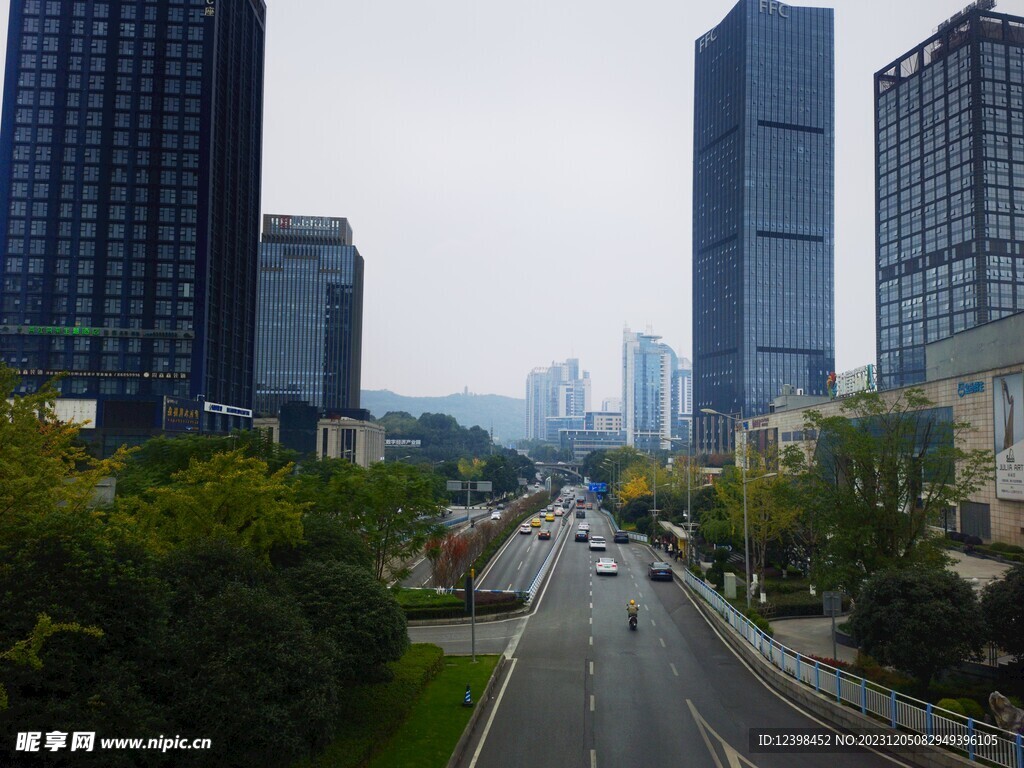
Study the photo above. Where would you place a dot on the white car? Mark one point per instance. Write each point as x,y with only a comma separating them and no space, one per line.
495,515
584,526
607,566
597,542
525,528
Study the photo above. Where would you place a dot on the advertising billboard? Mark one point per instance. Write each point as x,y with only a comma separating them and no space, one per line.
181,415
1008,428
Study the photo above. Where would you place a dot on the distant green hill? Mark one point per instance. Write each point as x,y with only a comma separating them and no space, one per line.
507,415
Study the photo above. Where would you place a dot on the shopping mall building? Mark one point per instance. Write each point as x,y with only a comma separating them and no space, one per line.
976,377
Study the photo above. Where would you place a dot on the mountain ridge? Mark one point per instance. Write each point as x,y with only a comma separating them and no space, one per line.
506,415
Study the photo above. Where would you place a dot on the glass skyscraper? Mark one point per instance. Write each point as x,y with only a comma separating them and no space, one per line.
763,147
648,393
558,392
130,152
949,153
310,316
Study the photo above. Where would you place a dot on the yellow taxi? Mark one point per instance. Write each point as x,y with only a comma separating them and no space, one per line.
535,522
550,517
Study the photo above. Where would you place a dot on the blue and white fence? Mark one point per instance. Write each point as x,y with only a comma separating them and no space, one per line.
637,537
888,707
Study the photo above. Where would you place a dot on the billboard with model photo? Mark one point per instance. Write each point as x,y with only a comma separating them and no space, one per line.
1008,413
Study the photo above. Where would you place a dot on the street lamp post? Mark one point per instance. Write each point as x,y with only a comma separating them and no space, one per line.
615,474
746,535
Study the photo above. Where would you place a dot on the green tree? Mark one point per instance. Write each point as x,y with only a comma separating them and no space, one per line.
362,623
78,571
26,652
42,465
227,495
1002,604
771,514
245,667
881,472
394,514
160,458
919,620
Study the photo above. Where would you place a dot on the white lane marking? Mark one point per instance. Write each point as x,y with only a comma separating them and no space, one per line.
591,702
593,758
662,641
652,623
591,606
591,667
767,687
674,670
510,586
591,639
494,711
591,621
425,582
520,565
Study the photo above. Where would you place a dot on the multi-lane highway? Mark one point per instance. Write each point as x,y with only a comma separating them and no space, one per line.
583,690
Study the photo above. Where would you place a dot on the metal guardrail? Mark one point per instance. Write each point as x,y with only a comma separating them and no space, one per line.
531,592
638,537
889,707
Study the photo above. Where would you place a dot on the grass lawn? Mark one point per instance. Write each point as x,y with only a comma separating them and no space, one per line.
437,720
416,719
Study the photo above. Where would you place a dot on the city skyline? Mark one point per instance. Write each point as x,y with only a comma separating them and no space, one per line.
563,152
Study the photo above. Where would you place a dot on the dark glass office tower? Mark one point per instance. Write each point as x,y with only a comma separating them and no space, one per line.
310,318
949,153
130,154
763,146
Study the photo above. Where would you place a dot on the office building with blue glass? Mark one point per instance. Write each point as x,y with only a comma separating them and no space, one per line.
949,153
310,316
130,159
648,393
763,250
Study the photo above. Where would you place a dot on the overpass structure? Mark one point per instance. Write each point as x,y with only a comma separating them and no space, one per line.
569,468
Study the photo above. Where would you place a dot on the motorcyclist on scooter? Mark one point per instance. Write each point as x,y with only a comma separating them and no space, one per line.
632,608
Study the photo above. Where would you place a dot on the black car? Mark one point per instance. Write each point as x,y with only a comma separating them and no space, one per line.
621,537
580,512
582,535
657,570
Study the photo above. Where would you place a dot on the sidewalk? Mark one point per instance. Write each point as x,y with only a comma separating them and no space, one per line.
813,635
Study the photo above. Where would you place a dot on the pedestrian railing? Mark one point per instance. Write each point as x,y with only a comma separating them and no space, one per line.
889,708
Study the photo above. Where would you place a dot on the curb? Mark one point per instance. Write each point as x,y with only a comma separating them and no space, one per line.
483,704
457,620
816,703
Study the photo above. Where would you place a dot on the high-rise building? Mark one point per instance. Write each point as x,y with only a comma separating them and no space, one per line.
130,155
682,404
648,367
763,147
558,392
949,153
309,316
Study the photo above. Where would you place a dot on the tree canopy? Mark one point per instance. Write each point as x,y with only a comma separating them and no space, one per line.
918,620
881,472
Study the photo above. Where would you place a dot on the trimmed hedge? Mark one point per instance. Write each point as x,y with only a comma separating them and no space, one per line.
953,705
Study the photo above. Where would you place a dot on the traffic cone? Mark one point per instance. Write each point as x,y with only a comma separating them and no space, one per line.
467,700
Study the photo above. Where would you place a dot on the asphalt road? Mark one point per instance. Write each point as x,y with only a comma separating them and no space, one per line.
583,690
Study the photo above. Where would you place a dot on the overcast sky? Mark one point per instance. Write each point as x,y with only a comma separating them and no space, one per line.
518,174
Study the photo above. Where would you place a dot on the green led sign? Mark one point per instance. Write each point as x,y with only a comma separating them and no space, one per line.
60,330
